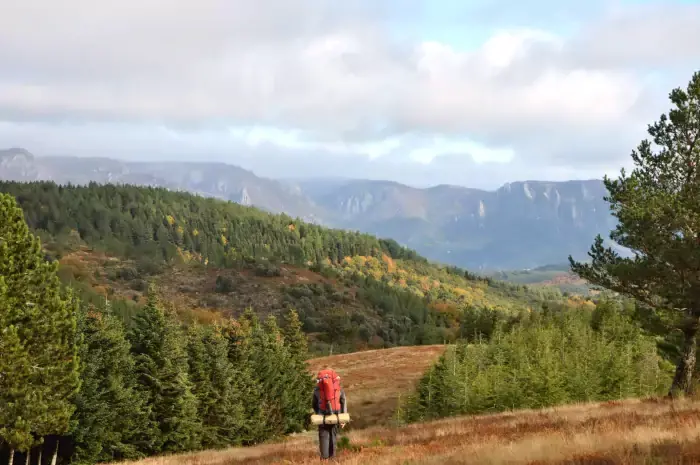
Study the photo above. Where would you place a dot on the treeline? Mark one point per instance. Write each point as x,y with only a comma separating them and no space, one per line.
540,359
159,388
76,383
154,222
157,224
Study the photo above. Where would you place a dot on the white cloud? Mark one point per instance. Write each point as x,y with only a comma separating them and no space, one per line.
327,78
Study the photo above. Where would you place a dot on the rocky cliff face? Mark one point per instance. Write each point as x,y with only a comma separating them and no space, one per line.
520,225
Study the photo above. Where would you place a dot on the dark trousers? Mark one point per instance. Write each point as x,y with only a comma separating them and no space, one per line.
327,440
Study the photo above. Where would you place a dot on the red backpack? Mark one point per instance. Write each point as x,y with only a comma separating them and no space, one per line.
329,391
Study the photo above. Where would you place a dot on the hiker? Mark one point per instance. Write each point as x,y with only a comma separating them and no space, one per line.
329,398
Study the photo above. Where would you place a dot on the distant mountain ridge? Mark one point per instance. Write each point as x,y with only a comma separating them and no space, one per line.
521,225
218,180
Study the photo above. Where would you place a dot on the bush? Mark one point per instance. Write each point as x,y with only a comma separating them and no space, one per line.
127,273
149,267
299,291
138,285
225,284
267,270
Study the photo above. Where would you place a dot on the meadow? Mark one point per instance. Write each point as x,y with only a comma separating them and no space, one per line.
374,380
610,433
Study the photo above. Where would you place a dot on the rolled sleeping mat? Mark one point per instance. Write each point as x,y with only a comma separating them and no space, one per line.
332,419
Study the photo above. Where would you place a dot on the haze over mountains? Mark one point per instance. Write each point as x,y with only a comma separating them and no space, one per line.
520,225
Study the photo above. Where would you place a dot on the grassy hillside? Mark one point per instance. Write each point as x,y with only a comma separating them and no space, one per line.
611,433
212,258
375,379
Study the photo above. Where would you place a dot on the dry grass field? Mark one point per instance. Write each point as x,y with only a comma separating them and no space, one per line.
613,433
374,379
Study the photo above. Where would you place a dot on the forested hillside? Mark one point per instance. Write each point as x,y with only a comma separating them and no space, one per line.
212,258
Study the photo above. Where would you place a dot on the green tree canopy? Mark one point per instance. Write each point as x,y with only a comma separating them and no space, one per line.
39,366
219,398
110,414
159,348
554,358
299,383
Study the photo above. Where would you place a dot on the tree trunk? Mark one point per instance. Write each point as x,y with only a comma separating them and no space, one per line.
55,454
41,451
11,458
28,460
683,379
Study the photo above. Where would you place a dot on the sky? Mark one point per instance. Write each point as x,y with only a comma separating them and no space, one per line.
423,92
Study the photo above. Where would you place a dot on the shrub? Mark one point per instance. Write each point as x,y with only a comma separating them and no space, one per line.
127,273
267,270
138,285
225,284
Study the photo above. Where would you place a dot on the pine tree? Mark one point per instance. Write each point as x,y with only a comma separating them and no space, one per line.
110,414
269,357
657,207
158,347
294,336
240,354
39,367
16,410
220,402
300,383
